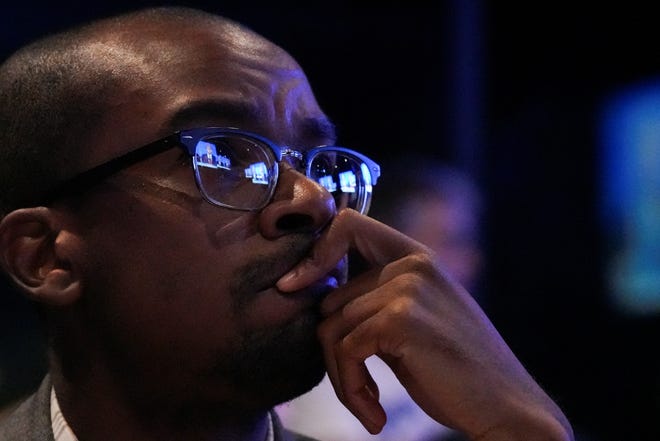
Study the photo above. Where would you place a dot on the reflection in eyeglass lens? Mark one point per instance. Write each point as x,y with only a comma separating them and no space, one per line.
234,171
258,173
346,177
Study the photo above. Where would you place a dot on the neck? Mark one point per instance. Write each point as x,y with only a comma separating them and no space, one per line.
95,409
105,393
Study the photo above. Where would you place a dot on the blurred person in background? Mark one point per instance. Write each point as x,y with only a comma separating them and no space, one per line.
439,205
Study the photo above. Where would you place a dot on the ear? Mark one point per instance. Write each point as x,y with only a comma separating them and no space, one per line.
33,252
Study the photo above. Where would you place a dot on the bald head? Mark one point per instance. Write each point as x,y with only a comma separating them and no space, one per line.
56,92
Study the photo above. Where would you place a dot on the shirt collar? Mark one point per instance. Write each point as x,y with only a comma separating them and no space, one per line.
61,430
271,432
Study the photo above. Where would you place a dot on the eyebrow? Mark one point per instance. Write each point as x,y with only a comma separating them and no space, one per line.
319,128
198,111
241,113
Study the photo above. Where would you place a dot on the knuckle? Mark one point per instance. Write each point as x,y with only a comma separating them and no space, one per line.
421,262
401,309
343,218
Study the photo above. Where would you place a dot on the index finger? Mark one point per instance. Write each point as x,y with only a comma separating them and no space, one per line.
378,244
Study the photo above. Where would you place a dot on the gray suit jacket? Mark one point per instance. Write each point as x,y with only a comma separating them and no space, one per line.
31,420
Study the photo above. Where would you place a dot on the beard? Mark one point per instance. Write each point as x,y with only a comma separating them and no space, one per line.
271,366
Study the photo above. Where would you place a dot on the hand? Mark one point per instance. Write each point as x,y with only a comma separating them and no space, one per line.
431,333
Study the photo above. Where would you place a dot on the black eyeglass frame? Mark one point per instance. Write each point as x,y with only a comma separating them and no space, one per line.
188,140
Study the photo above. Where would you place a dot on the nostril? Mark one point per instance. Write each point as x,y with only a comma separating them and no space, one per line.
295,222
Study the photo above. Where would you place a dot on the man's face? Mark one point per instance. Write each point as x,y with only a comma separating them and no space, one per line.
448,227
179,295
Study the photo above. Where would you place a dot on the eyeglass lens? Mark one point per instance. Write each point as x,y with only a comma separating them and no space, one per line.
345,176
236,171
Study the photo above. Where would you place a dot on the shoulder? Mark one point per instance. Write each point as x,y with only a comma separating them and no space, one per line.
31,419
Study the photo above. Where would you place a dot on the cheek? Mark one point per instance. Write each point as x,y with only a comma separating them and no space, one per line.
155,286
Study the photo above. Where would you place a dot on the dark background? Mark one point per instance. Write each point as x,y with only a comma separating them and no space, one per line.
512,93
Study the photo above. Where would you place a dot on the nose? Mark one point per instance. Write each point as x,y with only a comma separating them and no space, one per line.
299,205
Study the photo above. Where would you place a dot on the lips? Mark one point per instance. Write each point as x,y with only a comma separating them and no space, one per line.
271,308
256,280
269,271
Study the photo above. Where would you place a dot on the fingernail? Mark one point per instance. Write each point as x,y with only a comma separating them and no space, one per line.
286,279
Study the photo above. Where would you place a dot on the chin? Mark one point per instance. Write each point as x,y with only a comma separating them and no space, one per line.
274,365
300,386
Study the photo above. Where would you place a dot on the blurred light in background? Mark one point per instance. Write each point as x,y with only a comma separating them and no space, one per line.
630,130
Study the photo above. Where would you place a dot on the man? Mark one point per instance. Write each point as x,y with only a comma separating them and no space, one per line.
185,305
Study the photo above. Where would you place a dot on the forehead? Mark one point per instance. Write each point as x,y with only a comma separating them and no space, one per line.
207,74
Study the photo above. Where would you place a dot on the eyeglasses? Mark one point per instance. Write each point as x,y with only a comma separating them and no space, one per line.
239,170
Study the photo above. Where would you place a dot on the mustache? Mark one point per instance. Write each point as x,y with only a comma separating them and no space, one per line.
263,271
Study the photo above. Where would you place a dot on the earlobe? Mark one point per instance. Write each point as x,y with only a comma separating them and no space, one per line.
31,252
